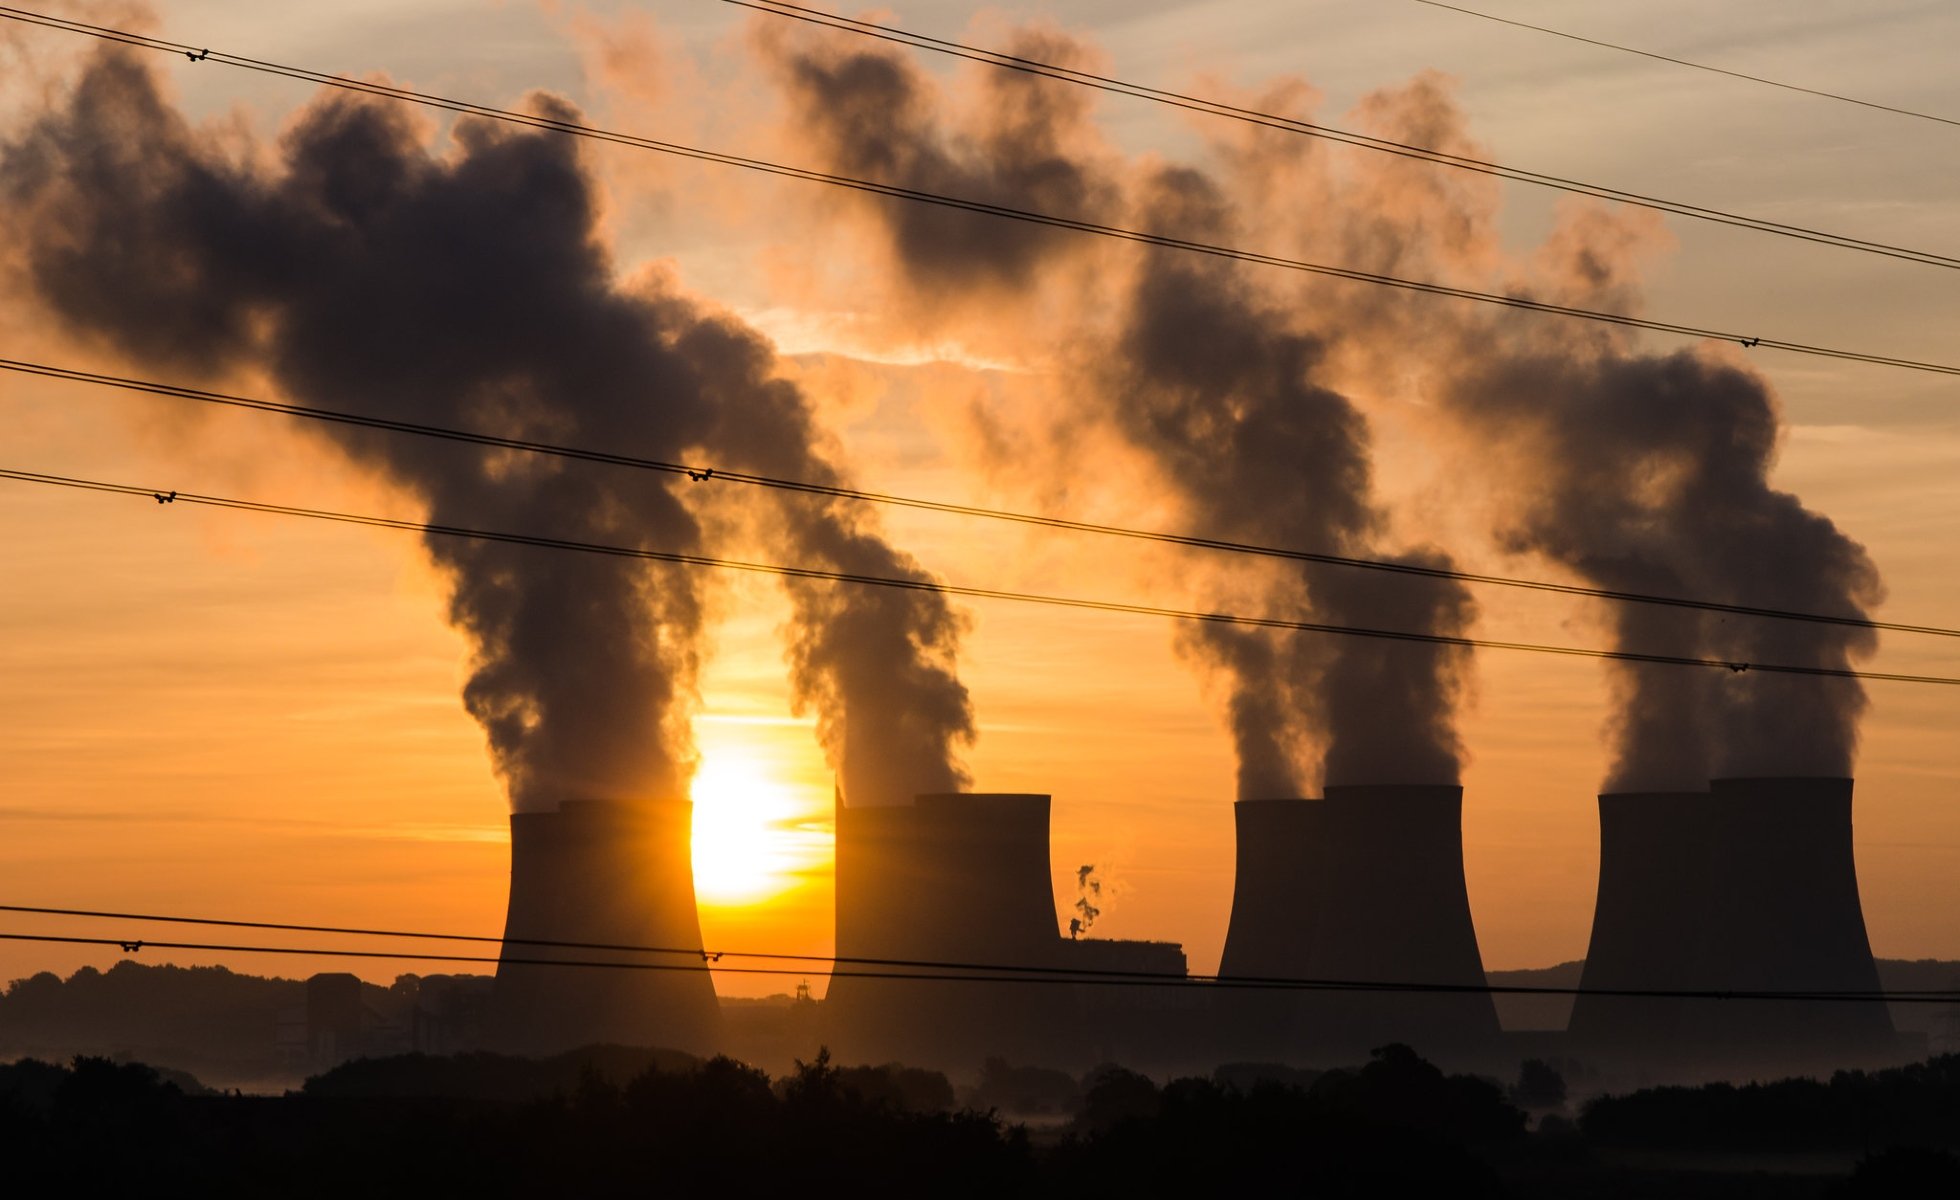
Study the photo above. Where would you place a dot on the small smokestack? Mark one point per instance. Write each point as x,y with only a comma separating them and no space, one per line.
953,877
1650,920
606,873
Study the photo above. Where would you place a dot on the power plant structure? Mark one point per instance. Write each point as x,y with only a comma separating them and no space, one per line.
1278,886
959,878
603,874
1143,1025
1750,887
1364,886
1650,919
965,879
952,951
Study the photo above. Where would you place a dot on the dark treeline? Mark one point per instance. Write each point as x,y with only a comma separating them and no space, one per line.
728,1129
221,1025
1916,1105
608,1120
216,1023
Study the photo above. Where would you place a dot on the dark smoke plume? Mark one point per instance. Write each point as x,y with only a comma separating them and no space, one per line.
1651,473
874,115
1640,472
1193,365
1643,472
362,271
1214,383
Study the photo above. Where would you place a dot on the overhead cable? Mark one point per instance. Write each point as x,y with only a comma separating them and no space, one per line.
990,973
915,195
712,956
1269,120
705,473
1682,62
975,593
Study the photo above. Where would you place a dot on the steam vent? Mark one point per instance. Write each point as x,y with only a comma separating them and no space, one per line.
606,873
1365,885
1750,887
950,878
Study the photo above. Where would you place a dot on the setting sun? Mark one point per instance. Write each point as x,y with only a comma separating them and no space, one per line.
749,839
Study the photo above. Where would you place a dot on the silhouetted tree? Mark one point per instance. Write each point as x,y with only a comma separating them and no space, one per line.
1539,1085
1113,1095
1901,1173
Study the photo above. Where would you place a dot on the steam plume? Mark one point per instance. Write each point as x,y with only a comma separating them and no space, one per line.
364,272
1642,472
1198,369
1088,900
1650,473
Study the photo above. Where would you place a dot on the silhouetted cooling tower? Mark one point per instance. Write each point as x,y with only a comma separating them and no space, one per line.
1277,896
1364,886
604,873
1789,919
1396,910
1650,920
952,878
1751,886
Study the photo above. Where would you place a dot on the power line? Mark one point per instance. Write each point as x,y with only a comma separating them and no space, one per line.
702,473
554,943
997,973
848,960
1252,116
949,589
1682,62
1028,216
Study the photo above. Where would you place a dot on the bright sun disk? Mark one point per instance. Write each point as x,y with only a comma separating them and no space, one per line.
746,846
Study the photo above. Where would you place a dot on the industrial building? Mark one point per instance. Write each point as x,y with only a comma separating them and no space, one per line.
1749,886
966,878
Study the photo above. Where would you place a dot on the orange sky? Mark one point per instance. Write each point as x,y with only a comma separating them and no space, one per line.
219,713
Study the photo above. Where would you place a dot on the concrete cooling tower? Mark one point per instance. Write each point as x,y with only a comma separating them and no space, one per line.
604,873
950,878
1788,918
1277,894
1650,921
1751,886
1397,910
1375,872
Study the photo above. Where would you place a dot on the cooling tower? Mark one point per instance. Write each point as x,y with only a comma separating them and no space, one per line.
952,878
1650,920
1277,893
1787,918
1395,909
604,873
1365,886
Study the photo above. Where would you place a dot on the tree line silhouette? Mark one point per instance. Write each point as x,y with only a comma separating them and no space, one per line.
614,1120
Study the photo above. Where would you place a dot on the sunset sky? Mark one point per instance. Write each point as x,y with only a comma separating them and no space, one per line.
241,715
